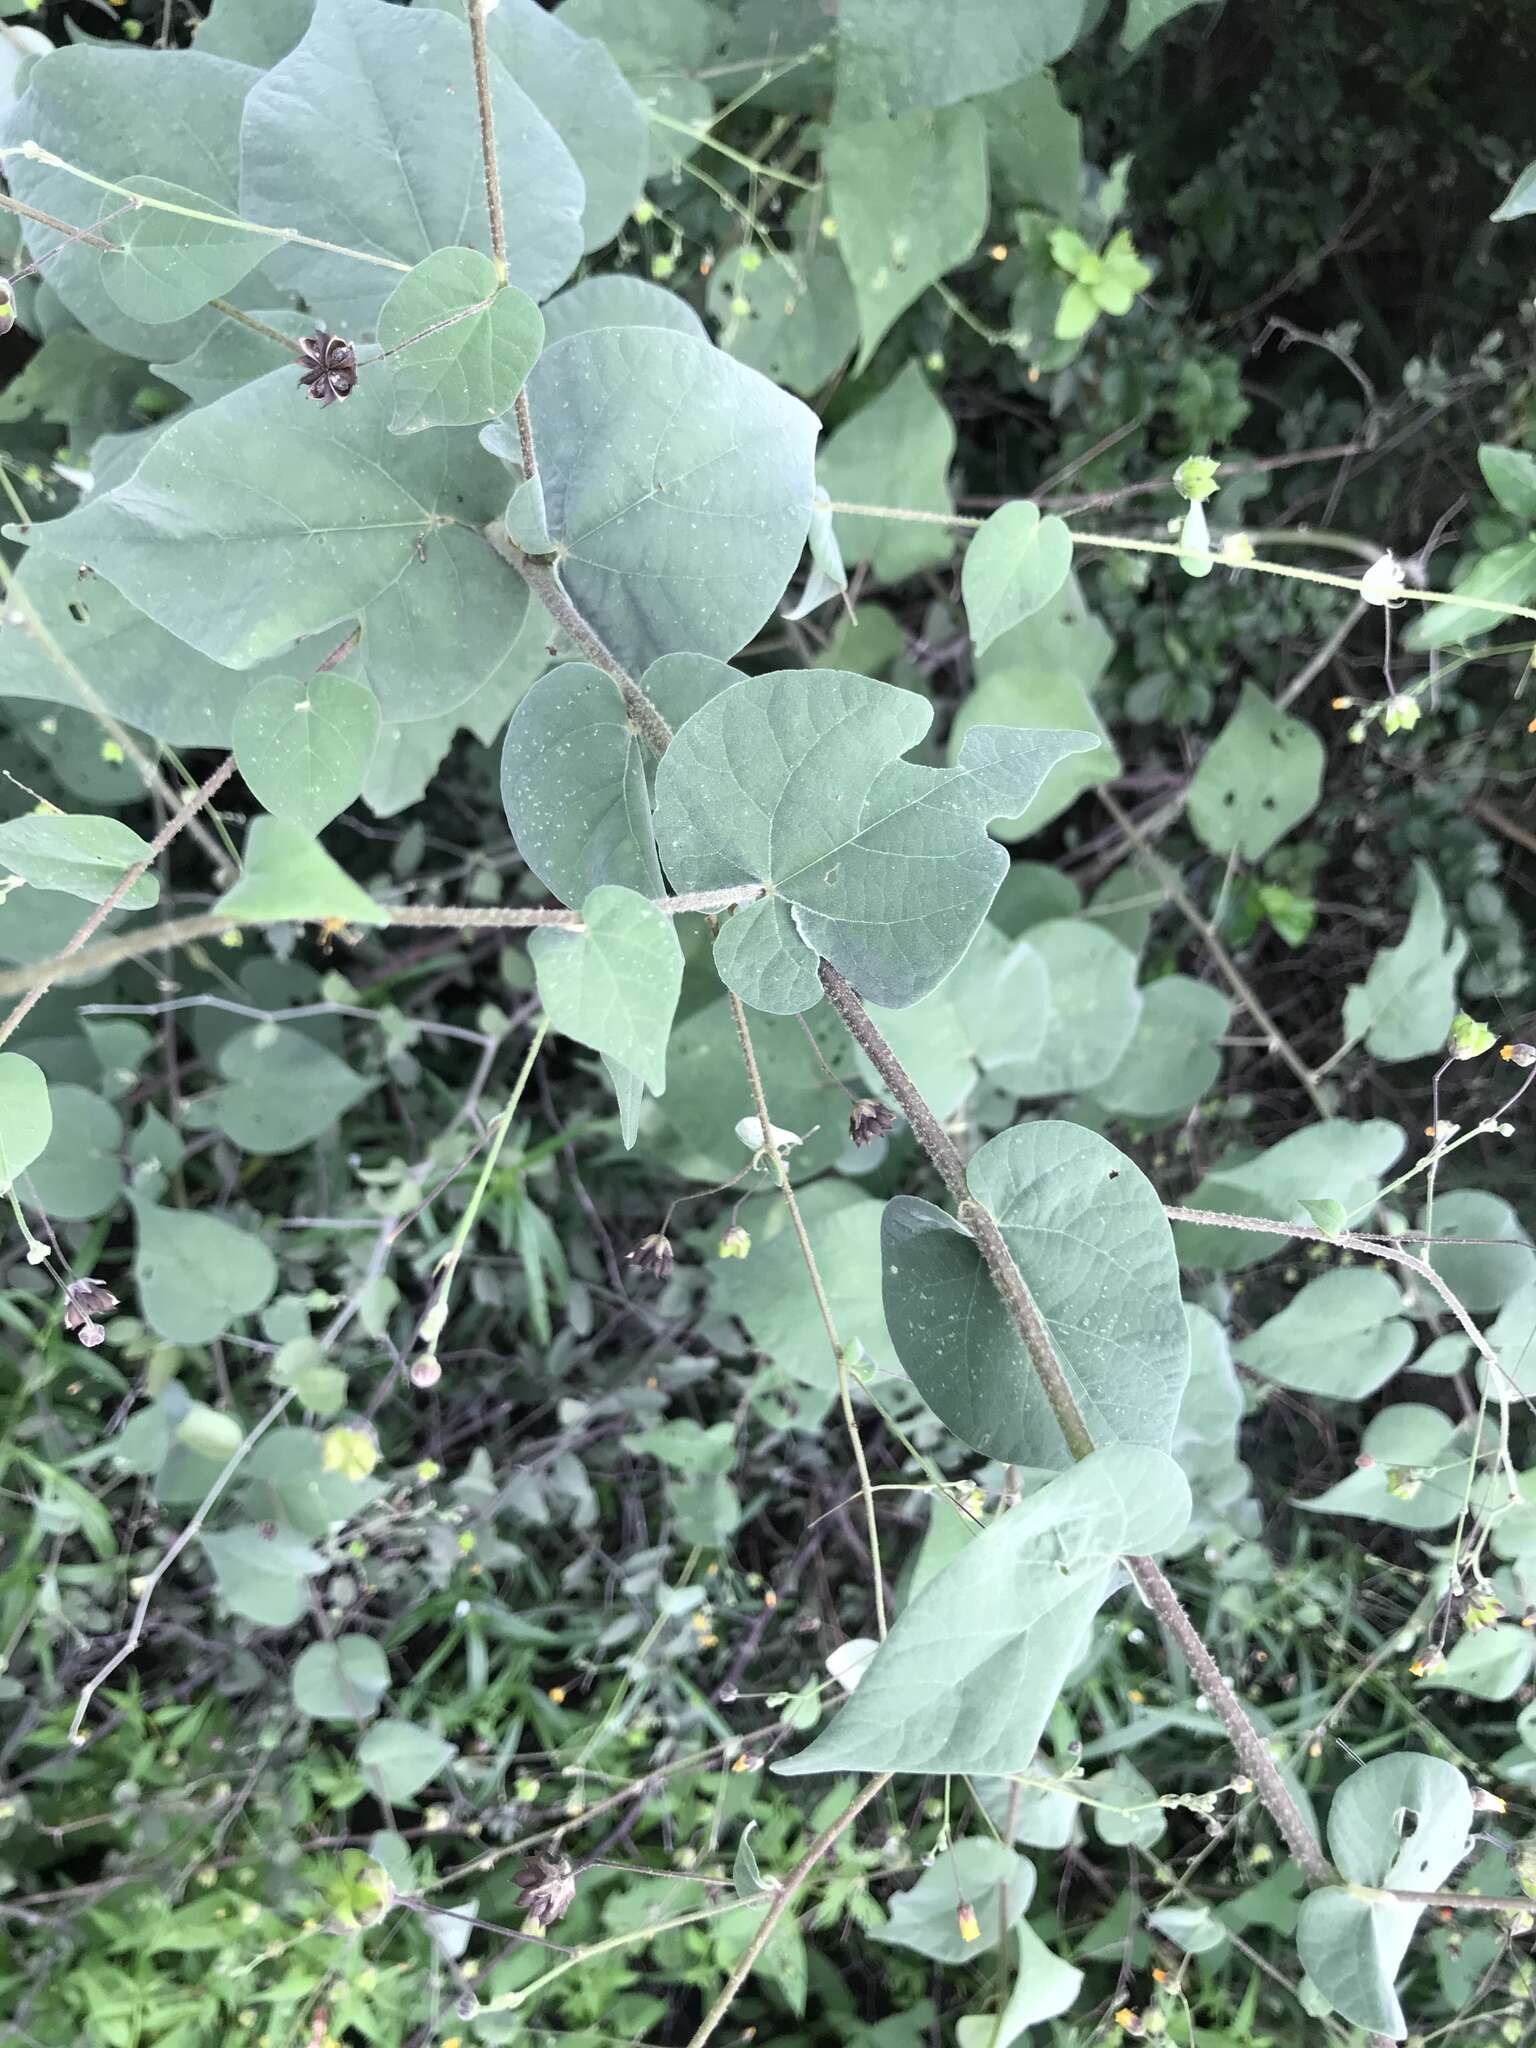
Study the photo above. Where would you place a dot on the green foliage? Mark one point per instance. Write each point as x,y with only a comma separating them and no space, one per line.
449,1491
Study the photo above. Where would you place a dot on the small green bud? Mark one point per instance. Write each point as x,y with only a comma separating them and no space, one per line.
1195,478
1402,714
1468,1038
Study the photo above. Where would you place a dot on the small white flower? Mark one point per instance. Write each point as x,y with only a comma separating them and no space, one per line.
1383,582
750,1132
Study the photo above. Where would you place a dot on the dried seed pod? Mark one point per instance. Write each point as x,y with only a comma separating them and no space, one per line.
331,373
653,1255
868,1120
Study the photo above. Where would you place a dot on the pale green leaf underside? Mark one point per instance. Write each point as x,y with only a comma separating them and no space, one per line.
878,865
614,985
82,856
26,1121
1172,1059
1404,1007
678,484
340,1681
1093,1010
459,349
304,748
781,1317
987,1018
1087,1231
282,1090
969,1674
172,265
896,450
1014,565
979,1870
79,1172
262,1575
398,1759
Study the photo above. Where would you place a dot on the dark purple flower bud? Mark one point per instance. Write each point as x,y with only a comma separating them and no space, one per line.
331,374
548,1887
868,1120
91,1297
653,1255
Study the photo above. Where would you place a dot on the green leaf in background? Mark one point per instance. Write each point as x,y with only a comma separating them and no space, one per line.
617,300
209,1432
398,1759
614,984
1520,198
781,1317
1506,576
1510,473
1482,1276
260,36
1044,1987
1419,1475
79,1173
968,1676
1014,565
221,532
231,355
1093,1012
1126,1810
1030,701
1402,1823
878,865
1403,1008
171,265
262,1573
1342,1336
289,877
893,55
1034,147
789,313
660,48
282,1090
197,1274
984,1019
1332,1161
894,451
82,856
909,196
678,485
1261,775
1144,17
746,1878
982,1872
709,1092
304,748
341,1681
573,785
583,95
458,349
401,83
1512,1336
26,1121
86,105
1486,1663
1172,1059
1087,1231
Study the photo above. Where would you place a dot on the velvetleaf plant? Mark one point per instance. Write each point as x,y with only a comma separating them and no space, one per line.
429,477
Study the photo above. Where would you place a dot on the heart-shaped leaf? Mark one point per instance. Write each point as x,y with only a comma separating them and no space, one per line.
82,856
614,984
289,877
304,748
1343,1336
282,1090
263,1573
1087,1231
884,868
398,1759
968,1676
458,349
172,263
1403,1008
196,1273
1013,567
1262,775
677,483
341,1681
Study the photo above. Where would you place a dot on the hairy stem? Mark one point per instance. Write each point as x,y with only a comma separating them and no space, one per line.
162,839
1252,1752
475,11
788,1890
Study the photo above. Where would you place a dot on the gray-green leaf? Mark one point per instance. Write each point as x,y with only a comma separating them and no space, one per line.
878,865
968,1676
1262,775
341,1681
171,264
83,856
289,877
678,484
26,1121
1331,1161
614,984
458,349
894,451
1403,1008
1093,1009
197,1274
1342,1336
282,1090
1013,567
262,1575
398,1759
304,748
1087,1231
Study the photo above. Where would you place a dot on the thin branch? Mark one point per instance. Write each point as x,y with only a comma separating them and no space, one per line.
844,1392
484,108
1236,980
182,931
747,1960
1252,1752
120,888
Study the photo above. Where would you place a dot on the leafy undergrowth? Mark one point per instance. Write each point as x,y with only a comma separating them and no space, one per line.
982,774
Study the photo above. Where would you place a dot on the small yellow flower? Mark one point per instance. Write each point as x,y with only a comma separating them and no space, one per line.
1136,1696
351,1452
557,1694
965,1919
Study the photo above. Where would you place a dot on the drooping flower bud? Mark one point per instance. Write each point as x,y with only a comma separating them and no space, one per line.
653,1255
547,1889
868,1120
